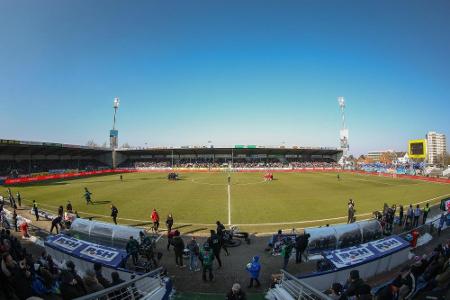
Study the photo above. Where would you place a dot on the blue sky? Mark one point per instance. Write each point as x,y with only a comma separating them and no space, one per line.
233,72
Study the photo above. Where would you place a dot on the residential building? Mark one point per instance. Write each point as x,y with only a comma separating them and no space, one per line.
436,147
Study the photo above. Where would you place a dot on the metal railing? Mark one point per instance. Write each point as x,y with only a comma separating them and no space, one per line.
141,287
299,289
429,227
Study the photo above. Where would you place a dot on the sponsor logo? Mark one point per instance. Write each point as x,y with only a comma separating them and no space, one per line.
99,253
386,245
67,243
354,255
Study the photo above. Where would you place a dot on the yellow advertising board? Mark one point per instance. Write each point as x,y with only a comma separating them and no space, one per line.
417,148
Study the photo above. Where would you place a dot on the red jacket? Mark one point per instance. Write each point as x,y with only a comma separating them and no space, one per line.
155,216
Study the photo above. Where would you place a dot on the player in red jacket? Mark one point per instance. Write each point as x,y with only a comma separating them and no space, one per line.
155,220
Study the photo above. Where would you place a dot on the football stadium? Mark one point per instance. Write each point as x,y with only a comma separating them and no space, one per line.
232,176
301,194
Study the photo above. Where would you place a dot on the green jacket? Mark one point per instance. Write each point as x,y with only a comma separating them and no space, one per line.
132,246
287,250
206,257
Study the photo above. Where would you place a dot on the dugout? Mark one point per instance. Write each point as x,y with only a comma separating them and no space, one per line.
103,233
343,235
321,238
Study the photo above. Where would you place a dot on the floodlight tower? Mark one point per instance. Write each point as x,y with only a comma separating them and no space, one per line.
343,137
114,134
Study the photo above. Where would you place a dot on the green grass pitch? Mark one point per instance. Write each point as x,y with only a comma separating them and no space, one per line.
199,199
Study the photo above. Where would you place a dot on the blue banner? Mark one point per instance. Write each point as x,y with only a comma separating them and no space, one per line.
107,256
365,252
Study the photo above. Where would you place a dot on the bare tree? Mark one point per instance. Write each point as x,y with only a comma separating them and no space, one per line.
443,159
388,157
91,143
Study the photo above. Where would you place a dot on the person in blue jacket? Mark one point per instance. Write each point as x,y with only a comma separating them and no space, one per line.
254,269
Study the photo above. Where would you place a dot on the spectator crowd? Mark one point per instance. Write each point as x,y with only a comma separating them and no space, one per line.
237,164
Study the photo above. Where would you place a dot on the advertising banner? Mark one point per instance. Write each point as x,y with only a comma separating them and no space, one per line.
366,252
107,256
63,176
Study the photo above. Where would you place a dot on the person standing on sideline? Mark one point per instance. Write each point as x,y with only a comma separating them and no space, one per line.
351,213
170,237
409,216
133,249
351,202
338,177
220,233
286,252
148,244
121,177
36,210
11,198
169,222
206,257
155,220
417,213
114,213
301,243
15,220
214,244
60,211
426,210
254,268
400,215
87,196
19,199
194,251
178,247
69,207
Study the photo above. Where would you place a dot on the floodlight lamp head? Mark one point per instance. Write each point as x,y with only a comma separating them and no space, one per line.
116,102
341,102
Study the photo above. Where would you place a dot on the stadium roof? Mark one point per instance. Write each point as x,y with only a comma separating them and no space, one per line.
14,147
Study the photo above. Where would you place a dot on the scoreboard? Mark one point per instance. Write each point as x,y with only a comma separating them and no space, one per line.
417,148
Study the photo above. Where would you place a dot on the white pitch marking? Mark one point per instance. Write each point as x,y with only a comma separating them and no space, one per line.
258,224
229,204
221,184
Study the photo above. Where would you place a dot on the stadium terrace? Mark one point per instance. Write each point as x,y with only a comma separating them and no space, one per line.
25,157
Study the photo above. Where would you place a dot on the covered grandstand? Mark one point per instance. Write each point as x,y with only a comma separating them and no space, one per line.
27,157
228,155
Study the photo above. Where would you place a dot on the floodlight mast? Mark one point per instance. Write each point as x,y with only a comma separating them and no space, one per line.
341,102
114,134
115,106
343,137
